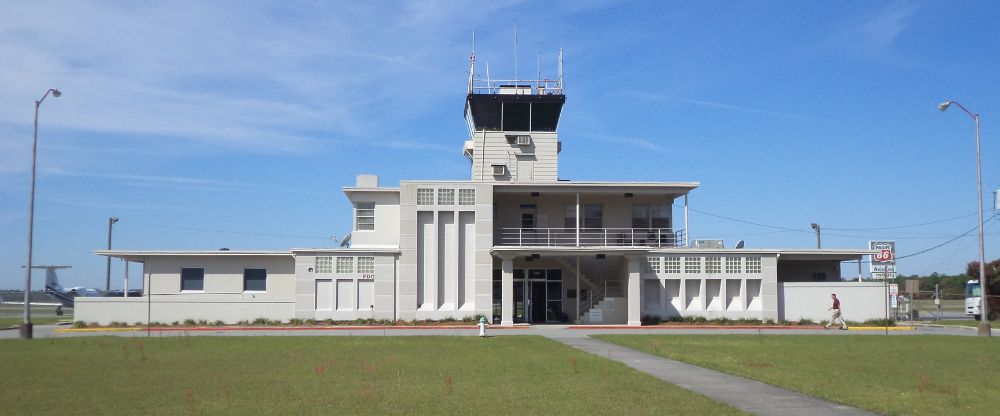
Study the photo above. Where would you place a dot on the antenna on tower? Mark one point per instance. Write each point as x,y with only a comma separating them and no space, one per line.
472,64
538,66
561,91
516,76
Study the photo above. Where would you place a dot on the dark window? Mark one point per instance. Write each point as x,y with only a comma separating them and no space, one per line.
516,117
192,278
554,274
819,277
650,216
592,216
255,279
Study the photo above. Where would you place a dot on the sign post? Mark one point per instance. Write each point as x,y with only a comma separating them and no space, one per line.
883,266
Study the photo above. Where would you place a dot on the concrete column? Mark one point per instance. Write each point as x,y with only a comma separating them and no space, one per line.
507,290
634,291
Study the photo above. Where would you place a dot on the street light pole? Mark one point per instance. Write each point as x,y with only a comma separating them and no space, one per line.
107,279
26,327
816,227
984,323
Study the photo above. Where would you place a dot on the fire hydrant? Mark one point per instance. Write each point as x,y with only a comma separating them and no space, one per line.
482,326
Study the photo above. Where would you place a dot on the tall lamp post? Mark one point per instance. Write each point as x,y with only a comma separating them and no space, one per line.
26,328
107,278
816,227
984,323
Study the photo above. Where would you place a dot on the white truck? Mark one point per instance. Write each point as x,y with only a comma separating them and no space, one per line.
973,298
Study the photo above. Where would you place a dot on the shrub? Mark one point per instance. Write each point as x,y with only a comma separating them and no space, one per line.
189,322
295,321
79,324
218,322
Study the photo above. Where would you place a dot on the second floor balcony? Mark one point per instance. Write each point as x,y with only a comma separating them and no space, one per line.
588,237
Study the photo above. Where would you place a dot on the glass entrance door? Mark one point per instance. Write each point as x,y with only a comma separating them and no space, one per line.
536,296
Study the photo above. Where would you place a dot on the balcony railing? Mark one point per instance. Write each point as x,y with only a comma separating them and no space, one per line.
589,237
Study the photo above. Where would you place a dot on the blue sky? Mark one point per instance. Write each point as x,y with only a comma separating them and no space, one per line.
234,124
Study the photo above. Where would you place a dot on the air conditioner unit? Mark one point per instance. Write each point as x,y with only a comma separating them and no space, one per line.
499,170
522,140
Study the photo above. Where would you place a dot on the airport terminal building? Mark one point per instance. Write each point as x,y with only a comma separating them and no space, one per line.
515,243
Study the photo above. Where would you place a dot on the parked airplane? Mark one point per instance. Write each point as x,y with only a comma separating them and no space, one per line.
66,296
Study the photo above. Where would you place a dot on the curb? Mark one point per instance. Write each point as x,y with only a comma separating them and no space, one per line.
790,328
278,328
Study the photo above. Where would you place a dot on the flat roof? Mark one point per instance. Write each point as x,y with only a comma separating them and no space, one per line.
587,186
782,254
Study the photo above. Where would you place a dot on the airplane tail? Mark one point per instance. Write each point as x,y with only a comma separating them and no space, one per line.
52,285
51,281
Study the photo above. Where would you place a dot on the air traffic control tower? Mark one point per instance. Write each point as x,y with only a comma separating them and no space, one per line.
513,128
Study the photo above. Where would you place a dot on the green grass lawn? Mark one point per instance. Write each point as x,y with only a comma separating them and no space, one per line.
912,375
327,375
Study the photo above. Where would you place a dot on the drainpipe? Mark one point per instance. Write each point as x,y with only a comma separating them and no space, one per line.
687,231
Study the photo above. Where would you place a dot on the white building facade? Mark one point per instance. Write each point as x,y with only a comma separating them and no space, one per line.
514,243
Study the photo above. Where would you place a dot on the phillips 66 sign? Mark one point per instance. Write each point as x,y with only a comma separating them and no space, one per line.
883,262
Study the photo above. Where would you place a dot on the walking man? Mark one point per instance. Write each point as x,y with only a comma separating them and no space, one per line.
836,314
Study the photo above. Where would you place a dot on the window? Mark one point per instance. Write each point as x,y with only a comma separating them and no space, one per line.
528,220
672,264
425,196
365,216
466,197
733,264
692,265
446,197
713,265
753,265
650,216
653,264
192,278
819,277
366,265
254,280
324,264
499,170
345,264
592,214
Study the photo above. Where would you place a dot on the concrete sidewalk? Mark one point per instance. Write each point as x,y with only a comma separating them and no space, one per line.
748,395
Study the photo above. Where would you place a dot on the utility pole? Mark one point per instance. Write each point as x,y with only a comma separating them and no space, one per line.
107,278
816,227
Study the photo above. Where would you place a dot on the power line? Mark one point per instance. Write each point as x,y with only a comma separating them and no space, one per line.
949,241
901,226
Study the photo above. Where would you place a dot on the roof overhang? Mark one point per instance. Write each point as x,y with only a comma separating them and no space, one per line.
568,187
141,255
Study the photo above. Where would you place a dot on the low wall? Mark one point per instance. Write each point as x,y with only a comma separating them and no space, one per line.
859,301
167,310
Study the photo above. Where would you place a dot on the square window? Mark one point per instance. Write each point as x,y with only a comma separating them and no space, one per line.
345,264
446,197
425,196
692,265
366,265
753,265
365,216
466,197
653,264
255,280
192,278
713,265
734,264
672,265
324,264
